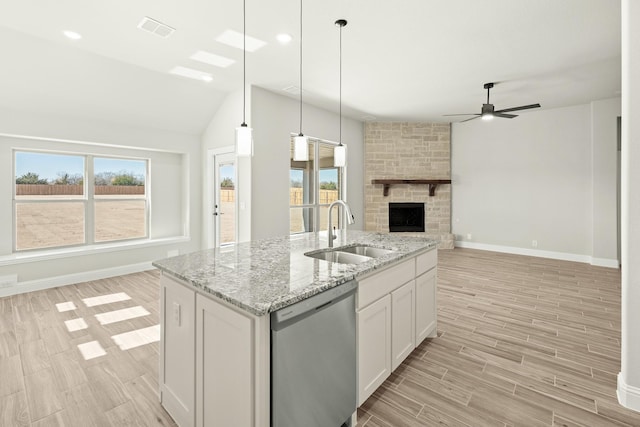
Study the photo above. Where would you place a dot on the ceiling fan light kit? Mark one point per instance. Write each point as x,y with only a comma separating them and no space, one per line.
488,111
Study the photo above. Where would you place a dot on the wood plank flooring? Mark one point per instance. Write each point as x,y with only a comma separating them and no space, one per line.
522,341
44,378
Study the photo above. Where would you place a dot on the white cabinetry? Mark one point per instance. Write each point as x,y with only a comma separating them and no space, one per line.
426,306
396,310
374,346
403,325
177,355
215,371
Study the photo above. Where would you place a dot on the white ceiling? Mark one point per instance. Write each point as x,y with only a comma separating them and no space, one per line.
412,60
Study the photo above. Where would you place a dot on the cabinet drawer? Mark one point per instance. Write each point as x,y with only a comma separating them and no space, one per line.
380,284
426,261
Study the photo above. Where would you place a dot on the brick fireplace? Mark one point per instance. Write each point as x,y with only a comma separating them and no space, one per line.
409,151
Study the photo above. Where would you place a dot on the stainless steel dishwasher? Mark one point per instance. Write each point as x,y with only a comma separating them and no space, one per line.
313,360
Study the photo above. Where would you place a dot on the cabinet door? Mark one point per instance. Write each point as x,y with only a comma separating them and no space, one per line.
374,346
177,355
426,325
403,323
224,366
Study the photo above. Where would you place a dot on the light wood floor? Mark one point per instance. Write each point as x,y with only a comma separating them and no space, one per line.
521,341
44,378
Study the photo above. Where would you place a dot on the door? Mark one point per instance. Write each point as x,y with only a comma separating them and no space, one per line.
374,346
403,323
223,210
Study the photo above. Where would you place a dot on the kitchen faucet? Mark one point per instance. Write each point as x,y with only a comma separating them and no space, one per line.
350,219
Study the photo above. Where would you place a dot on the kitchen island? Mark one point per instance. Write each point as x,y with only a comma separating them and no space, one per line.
215,342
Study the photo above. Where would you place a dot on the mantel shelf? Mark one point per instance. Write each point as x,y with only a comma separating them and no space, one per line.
432,183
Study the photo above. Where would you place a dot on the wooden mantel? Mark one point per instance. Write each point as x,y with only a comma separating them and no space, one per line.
432,183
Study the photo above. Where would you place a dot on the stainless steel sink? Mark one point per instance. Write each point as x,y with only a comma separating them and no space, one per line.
364,250
339,257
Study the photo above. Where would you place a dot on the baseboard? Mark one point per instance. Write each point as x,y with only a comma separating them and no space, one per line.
605,262
628,396
69,279
564,256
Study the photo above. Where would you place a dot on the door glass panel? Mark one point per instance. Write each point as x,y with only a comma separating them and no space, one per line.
301,220
227,203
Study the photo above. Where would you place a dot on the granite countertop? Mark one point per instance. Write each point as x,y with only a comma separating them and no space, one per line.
266,275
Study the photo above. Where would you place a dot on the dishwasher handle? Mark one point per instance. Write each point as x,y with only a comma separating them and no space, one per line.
294,313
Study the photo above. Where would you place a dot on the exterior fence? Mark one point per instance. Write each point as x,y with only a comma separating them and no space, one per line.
295,196
326,196
74,190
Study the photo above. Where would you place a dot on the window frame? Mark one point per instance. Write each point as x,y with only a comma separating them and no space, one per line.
88,199
316,206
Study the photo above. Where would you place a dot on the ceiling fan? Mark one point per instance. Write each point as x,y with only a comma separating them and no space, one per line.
488,111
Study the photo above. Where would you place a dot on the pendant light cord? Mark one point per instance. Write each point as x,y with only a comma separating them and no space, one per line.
300,68
244,60
340,90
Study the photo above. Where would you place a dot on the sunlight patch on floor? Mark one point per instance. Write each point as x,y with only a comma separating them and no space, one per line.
91,350
137,338
120,315
75,324
105,299
65,306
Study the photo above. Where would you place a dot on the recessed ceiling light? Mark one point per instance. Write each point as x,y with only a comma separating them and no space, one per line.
235,39
212,59
284,38
191,73
72,35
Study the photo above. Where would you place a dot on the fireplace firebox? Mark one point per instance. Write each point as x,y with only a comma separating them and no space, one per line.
406,217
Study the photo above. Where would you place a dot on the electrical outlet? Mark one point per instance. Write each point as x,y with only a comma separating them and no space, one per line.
173,252
176,313
534,243
469,236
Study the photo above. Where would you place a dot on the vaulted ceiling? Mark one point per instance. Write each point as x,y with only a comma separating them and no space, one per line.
402,60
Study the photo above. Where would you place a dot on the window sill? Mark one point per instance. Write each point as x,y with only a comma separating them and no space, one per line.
49,254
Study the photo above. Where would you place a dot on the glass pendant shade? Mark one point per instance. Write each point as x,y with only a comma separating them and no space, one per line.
244,141
301,148
339,156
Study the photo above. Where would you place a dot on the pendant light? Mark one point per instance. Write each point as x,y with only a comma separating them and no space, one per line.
340,151
244,137
300,142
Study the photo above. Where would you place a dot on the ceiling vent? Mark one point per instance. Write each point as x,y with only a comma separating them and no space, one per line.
155,27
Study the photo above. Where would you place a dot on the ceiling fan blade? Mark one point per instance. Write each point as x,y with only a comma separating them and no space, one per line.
524,107
505,116
464,114
472,118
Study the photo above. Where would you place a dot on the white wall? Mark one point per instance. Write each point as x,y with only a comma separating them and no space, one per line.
629,377
531,178
175,194
275,117
604,146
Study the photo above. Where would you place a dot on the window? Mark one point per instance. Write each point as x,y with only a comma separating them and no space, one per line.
313,186
70,199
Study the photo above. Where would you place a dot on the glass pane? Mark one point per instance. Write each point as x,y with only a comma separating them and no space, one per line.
335,215
302,179
301,220
120,220
227,211
119,177
329,186
49,224
48,176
